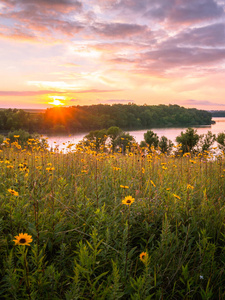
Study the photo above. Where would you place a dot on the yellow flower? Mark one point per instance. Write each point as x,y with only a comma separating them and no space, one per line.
190,187
50,169
16,136
143,170
178,197
12,192
128,200
144,257
23,239
131,154
124,186
152,183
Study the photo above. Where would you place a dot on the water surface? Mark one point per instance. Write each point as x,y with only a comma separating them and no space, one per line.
170,133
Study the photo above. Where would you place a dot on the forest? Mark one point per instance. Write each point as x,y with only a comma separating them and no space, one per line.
93,117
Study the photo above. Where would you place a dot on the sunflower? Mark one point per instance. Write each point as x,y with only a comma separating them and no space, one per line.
128,200
144,257
12,192
23,239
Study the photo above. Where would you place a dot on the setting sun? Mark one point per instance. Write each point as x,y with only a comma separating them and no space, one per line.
57,100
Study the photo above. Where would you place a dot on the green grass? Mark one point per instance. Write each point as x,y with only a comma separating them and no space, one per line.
87,244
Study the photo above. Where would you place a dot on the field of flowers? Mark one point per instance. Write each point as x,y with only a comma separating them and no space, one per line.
101,225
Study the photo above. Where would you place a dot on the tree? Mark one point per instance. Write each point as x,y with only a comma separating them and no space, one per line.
165,145
97,138
221,140
188,140
114,132
151,139
124,141
206,141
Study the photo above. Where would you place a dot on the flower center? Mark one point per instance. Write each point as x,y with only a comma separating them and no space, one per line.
22,241
128,201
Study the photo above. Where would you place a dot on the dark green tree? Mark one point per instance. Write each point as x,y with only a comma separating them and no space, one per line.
124,141
165,145
114,132
206,141
151,139
188,139
221,140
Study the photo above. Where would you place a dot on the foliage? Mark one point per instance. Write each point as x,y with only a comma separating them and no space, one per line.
165,145
93,117
188,139
221,140
206,141
151,139
88,240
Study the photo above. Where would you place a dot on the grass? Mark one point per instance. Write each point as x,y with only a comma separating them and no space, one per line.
86,244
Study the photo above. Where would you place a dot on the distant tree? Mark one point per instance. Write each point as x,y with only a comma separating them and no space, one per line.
143,144
151,139
188,139
206,141
221,140
97,138
114,132
165,145
124,141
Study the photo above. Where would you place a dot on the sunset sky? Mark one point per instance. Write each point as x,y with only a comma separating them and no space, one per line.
112,51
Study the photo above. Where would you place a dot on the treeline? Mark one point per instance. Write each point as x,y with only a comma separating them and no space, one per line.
120,141
93,117
217,113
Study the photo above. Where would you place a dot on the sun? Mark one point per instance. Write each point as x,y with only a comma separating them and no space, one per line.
57,100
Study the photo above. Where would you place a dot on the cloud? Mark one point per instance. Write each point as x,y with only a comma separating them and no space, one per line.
46,92
182,11
28,93
212,35
118,101
118,30
200,102
40,18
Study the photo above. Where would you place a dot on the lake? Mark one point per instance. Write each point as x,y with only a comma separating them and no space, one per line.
170,133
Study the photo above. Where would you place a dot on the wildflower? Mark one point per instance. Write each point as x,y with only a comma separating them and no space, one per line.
12,192
178,197
23,239
128,200
50,169
124,186
164,168
152,183
144,257
143,170
201,277
190,187
16,136
131,154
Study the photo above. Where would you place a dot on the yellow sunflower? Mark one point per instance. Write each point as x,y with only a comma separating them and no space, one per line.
12,192
23,239
144,257
128,200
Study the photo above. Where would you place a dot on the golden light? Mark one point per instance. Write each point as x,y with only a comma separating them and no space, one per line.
57,100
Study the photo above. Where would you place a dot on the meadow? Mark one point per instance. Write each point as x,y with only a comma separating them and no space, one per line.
102,225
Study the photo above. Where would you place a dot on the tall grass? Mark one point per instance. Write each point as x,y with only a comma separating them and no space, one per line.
87,244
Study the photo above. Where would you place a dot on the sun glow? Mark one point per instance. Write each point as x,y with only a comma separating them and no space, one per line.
57,100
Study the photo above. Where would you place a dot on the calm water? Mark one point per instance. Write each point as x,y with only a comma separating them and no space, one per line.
170,133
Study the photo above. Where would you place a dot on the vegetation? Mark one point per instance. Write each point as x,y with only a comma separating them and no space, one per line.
86,118
93,224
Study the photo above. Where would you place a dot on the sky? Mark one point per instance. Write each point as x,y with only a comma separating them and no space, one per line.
88,52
